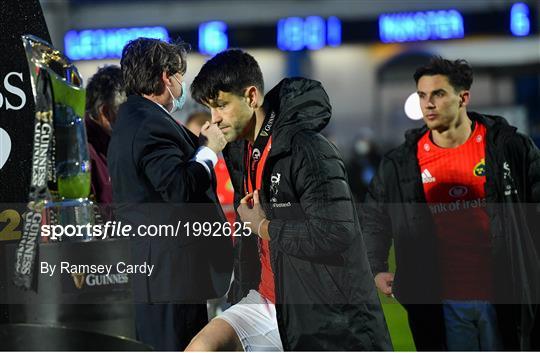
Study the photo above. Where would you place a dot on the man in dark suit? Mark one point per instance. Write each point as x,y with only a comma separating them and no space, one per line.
162,175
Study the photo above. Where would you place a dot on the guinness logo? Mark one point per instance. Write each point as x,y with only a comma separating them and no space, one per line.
78,279
265,131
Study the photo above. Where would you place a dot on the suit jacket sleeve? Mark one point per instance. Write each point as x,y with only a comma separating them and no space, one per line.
161,154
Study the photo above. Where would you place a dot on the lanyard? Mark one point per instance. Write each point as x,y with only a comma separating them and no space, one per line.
255,155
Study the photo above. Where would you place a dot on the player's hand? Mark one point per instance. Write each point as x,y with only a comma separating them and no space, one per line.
384,282
252,214
212,137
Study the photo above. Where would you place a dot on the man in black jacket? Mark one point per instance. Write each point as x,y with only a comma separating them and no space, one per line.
458,201
162,174
303,279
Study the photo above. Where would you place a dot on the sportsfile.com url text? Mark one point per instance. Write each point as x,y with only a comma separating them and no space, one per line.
115,229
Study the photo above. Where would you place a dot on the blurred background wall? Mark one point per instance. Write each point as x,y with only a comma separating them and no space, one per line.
366,66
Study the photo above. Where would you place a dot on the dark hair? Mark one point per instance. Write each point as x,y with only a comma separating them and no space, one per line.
458,72
105,87
144,60
229,71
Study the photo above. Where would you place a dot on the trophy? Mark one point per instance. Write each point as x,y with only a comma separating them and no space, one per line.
60,182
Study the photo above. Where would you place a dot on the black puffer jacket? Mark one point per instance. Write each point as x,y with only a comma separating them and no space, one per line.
326,299
396,210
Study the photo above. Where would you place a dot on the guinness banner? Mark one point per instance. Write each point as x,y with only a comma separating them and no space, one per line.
17,18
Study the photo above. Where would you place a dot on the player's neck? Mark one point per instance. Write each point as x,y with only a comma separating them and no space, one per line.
455,135
257,126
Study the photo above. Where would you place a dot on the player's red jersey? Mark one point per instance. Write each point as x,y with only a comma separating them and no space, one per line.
453,180
266,285
225,191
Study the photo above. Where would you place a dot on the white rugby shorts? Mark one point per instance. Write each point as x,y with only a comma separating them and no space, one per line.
254,321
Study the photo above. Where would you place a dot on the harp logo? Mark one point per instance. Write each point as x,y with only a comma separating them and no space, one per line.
78,279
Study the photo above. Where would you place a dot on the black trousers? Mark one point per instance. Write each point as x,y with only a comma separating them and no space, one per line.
169,327
427,326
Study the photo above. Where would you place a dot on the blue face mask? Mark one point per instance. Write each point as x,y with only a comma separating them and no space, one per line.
178,103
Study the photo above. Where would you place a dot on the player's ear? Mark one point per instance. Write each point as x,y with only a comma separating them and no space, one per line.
252,96
464,98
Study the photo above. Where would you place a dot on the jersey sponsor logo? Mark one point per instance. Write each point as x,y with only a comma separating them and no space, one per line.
427,177
458,191
480,169
456,206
